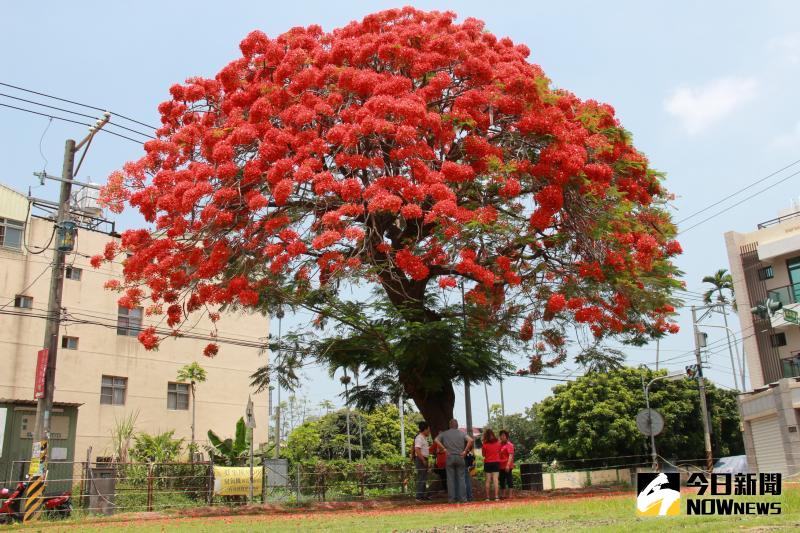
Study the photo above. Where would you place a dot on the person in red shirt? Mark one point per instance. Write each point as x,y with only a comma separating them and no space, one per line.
491,461
506,464
440,453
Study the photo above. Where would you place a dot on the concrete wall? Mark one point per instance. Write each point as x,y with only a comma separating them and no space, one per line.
585,478
221,399
733,242
781,398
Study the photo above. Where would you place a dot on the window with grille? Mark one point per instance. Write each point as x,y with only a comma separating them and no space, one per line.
129,321
778,339
766,273
113,390
11,233
73,273
25,302
178,396
69,343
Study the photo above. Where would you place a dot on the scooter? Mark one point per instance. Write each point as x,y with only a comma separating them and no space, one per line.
11,504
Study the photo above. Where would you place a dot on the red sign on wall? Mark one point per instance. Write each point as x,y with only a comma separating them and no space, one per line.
41,368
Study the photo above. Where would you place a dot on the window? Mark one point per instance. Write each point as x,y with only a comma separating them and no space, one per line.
73,273
26,302
766,273
778,339
129,321
11,233
178,396
69,343
112,390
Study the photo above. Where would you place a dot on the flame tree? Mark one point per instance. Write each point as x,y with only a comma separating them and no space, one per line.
414,154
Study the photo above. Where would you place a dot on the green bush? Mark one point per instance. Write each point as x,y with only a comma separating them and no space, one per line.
160,448
185,481
327,480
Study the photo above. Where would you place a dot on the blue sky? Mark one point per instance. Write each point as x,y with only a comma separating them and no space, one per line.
708,90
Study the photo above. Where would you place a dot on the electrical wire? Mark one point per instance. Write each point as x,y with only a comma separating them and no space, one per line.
78,104
76,113
41,153
69,120
69,319
740,202
27,287
735,193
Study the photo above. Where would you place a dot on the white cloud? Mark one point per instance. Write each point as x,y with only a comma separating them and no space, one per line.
699,107
789,140
785,48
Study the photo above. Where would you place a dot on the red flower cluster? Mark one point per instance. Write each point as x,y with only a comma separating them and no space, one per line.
405,148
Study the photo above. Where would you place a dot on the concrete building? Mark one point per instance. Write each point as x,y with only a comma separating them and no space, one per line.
765,263
101,364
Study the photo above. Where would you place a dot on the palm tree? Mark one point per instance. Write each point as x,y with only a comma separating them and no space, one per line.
193,373
327,405
721,282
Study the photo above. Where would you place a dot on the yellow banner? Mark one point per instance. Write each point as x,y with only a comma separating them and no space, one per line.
235,480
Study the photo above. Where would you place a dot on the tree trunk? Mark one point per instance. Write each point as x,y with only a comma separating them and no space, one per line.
193,421
436,407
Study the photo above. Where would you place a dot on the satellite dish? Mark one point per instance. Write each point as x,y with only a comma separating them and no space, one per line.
650,418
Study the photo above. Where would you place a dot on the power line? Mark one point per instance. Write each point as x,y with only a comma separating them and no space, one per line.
165,333
75,113
23,291
69,120
737,192
120,115
740,202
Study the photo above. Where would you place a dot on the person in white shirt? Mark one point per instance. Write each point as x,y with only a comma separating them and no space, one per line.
421,452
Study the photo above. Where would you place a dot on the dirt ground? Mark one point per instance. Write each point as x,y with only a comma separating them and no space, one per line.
362,509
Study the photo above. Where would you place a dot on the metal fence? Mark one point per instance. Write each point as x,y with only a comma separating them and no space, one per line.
99,487
106,488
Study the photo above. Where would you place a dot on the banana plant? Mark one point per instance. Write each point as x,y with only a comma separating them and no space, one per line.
230,452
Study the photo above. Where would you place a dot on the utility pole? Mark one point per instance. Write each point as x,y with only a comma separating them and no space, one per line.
653,454
502,405
346,381
360,424
730,347
401,403
467,397
44,391
44,406
279,315
702,386
488,410
658,352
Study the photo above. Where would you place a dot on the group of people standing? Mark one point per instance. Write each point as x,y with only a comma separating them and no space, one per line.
454,459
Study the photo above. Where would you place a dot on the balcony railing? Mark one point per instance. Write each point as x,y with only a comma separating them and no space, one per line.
778,220
788,294
791,367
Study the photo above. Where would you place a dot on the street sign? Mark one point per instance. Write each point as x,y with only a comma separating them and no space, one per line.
41,369
646,419
249,418
791,316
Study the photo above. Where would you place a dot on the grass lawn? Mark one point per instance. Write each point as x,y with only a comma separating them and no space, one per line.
596,513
